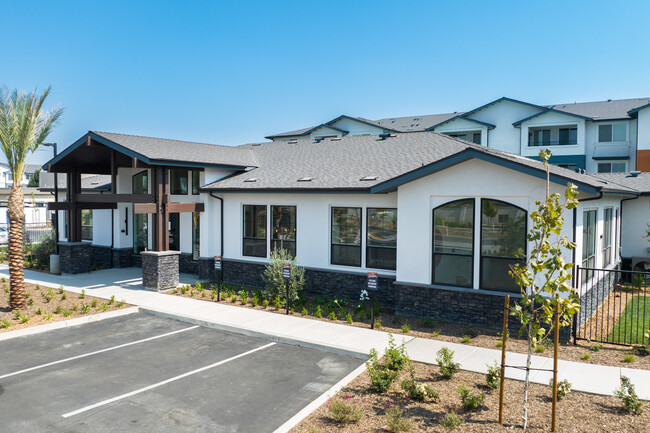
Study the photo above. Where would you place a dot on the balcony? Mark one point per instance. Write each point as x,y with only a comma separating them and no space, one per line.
553,143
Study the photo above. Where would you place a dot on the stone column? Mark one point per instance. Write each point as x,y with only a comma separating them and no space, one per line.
160,269
76,257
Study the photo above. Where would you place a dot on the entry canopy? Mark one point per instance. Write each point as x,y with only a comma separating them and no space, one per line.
93,153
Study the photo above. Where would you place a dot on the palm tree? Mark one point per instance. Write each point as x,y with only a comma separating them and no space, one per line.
23,127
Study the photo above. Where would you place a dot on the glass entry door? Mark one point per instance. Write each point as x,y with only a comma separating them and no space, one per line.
174,232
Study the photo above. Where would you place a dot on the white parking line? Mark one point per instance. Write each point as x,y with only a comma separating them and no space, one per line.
96,352
164,382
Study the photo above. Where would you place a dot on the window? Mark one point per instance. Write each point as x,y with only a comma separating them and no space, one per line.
196,182
539,137
612,132
178,182
196,235
588,243
476,138
381,238
346,236
140,183
568,136
607,237
453,243
86,224
254,230
612,167
503,244
459,136
283,228
174,231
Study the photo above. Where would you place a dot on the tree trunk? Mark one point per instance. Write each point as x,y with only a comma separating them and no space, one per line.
527,380
16,213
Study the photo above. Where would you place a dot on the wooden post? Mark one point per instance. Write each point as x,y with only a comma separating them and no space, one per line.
555,355
504,339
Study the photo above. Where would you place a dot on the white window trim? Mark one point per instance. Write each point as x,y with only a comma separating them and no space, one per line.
627,133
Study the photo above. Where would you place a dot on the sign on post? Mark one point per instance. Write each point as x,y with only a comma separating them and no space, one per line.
217,263
372,281
286,271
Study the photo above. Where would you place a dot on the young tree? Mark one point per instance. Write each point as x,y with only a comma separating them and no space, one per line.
545,279
23,127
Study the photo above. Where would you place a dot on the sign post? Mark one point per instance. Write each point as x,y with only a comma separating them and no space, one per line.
218,268
286,275
371,286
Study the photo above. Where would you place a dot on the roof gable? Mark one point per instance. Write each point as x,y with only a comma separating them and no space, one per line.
547,111
461,117
503,99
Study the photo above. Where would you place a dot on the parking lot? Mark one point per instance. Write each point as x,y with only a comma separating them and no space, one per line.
144,373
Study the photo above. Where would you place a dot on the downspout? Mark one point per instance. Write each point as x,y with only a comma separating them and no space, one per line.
220,221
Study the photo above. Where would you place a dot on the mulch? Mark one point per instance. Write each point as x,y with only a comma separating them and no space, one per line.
577,412
61,306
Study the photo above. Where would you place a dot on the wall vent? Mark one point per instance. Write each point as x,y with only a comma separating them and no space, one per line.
368,178
305,179
251,179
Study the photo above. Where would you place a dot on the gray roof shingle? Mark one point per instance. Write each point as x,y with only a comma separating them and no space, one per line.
340,164
640,183
162,149
602,110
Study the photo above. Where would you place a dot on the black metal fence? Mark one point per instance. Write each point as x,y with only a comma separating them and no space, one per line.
614,306
35,232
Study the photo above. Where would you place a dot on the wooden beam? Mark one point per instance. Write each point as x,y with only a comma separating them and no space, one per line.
145,208
115,198
97,205
88,140
136,163
113,172
61,205
185,207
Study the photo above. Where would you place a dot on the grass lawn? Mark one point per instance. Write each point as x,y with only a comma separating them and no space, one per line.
633,322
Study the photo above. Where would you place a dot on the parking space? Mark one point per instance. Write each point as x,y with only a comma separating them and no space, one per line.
144,373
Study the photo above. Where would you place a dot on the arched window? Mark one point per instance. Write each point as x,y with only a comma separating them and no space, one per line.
503,244
453,243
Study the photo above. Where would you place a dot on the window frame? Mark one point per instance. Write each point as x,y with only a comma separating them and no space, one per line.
87,212
433,244
266,235
611,162
480,252
607,236
295,241
368,247
611,131
178,172
585,260
196,182
332,244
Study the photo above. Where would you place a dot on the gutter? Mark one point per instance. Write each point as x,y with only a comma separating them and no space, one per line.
220,222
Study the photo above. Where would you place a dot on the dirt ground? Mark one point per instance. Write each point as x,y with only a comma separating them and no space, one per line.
608,354
577,412
62,305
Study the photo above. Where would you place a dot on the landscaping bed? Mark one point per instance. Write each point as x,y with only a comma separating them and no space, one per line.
584,351
577,412
45,305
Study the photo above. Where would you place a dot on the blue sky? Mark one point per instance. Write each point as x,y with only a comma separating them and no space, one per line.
233,72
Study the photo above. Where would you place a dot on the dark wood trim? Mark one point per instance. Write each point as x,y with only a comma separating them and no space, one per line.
113,172
115,198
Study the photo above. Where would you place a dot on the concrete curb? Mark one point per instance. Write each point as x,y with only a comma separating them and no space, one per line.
66,323
315,404
252,333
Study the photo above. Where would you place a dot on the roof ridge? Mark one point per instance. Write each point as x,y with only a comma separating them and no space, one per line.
162,138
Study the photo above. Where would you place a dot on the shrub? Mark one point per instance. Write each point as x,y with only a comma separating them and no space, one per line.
381,377
469,400
563,388
4,324
377,324
318,313
493,375
595,347
586,357
93,303
540,349
39,311
41,252
641,350
272,276
451,419
266,304
469,330
315,429
82,295
406,328
396,421
435,334
304,311
348,318
243,294
345,411
332,315
445,360
499,343
628,397
429,322
395,357
418,391
466,339
397,318
629,358
277,303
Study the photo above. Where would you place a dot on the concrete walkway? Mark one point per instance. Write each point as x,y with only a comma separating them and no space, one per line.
126,284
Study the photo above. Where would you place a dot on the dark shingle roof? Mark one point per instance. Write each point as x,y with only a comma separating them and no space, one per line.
415,123
340,164
603,110
640,183
163,149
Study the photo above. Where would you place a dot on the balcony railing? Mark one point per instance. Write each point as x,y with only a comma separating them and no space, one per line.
552,143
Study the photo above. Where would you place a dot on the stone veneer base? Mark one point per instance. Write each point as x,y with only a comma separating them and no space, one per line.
160,269
76,257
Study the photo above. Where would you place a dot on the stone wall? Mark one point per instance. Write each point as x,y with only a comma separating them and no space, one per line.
101,257
187,265
76,257
122,257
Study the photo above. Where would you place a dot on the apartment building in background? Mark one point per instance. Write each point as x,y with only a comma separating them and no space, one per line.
611,136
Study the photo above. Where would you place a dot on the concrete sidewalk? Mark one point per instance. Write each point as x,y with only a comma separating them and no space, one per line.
126,284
